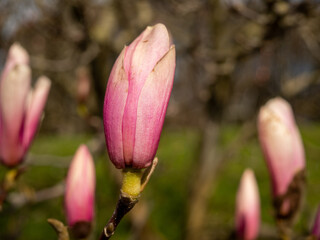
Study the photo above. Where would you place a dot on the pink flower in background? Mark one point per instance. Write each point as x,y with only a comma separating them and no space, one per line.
137,97
248,207
20,106
80,188
16,56
281,143
316,226
83,79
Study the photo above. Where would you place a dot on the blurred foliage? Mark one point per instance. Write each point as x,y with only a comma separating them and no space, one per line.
167,192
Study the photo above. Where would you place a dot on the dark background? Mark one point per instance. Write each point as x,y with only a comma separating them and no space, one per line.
232,56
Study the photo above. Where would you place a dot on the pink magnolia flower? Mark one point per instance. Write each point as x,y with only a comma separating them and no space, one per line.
137,97
316,226
80,188
16,56
20,106
248,207
281,143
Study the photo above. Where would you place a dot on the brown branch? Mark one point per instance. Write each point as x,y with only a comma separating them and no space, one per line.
211,164
249,14
200,188
310,40
124,205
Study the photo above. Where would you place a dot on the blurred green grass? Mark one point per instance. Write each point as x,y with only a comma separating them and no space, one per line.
167,191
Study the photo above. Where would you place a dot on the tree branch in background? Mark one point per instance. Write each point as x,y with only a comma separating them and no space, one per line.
211,163
20,199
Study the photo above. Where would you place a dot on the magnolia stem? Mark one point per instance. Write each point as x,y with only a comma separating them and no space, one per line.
130,193
134,181
124,205
293,197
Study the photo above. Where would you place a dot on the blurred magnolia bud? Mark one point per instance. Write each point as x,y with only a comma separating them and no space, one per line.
137,97
83,84
283,151
80,193
248,207
316,226
20,106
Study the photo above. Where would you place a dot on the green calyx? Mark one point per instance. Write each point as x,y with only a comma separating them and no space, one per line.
131,184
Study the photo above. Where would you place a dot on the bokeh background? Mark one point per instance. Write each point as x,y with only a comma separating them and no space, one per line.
232,56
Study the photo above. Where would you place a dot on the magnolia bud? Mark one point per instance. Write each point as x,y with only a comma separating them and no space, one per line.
137,97
80,192
283,151
248,207
20,106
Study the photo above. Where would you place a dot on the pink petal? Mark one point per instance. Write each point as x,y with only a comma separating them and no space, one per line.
13,94
152,106
248,207
140,58
80,187
114,104
17,55
34,110
144,53
282,110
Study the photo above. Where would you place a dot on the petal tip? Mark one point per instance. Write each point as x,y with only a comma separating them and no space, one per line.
19,54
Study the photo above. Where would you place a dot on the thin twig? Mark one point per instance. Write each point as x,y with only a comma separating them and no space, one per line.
59,227
48,160
147,173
